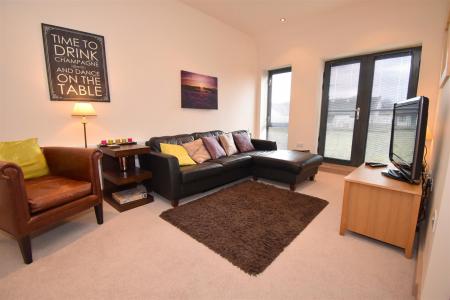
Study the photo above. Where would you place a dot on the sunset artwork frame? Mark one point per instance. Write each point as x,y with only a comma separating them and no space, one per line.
198,91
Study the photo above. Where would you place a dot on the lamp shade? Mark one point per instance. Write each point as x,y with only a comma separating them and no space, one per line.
83,109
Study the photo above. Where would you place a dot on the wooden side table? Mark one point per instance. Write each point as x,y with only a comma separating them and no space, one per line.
380,207
119,173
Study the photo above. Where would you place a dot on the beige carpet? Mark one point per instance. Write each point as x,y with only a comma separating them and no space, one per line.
136,254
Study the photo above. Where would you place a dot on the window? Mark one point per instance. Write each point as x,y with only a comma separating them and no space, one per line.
357,101
390,85
278,102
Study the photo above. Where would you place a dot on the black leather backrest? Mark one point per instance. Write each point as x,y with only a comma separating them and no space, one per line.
242,131
154,142
198,135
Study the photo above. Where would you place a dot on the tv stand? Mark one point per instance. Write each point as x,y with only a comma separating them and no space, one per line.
380,207
395,174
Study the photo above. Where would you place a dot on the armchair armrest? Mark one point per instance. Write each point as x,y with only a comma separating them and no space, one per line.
264,144
14,209
166,178
75,163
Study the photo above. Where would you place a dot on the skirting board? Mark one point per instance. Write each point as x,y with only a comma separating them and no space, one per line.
337,169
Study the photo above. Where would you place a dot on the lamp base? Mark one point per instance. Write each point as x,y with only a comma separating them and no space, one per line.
85,139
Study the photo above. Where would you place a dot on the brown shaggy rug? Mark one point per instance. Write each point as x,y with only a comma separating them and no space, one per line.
249,223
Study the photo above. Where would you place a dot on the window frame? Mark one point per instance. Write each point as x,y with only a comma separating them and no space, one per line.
364,98
269,99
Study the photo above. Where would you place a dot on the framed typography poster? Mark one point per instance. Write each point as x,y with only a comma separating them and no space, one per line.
76,65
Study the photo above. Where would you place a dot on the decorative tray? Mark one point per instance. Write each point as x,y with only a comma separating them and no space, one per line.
118,144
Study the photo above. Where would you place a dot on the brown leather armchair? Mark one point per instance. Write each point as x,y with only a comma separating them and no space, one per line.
72,186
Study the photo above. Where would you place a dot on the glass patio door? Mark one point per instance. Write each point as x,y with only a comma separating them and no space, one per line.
357,100
390,85
342,110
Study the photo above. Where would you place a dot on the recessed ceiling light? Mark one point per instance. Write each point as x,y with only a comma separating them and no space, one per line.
282,20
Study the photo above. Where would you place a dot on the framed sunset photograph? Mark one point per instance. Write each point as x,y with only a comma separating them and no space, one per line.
198,91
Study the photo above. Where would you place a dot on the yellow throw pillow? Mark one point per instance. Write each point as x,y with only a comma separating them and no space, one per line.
179,152
27,154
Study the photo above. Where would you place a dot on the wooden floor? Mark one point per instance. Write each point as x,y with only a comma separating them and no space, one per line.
337,169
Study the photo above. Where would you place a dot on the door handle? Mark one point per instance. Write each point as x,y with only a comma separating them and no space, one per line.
357,113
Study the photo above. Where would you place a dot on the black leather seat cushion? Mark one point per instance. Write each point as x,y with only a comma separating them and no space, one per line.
289,160
257,153
234,161
199,171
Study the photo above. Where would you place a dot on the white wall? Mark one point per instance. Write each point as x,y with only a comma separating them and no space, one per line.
147,44
365,27
436,245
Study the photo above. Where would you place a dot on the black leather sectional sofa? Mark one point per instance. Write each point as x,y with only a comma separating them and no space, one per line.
174,182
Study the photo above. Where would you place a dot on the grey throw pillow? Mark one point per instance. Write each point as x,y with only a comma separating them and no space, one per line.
243,142
212,145
197,151
228,145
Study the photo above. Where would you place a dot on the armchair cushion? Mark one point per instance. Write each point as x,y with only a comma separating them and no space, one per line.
51,191
27,155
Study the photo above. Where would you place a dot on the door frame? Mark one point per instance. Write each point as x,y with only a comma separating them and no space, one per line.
363,99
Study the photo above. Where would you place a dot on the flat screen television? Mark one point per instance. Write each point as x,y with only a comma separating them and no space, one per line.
408,134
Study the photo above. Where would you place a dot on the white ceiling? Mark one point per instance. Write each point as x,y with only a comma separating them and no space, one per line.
255,17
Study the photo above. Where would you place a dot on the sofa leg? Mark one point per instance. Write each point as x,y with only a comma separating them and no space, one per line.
255,178
174,203
25,248
292,187
99,213
312,177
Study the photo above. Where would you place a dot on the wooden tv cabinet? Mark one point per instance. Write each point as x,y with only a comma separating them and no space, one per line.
380,207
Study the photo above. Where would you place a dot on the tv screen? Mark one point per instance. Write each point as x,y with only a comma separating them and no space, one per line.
408,136
405,128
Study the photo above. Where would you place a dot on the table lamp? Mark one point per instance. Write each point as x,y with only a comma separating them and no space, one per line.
83,109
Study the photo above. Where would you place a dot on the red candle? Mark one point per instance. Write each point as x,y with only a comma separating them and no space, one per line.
130,140
103,142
